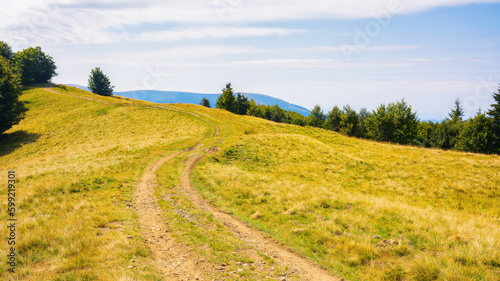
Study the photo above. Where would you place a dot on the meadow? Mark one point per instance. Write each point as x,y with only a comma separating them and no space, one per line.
363,210
77,157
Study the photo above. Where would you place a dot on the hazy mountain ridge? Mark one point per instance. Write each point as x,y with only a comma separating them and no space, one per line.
195,98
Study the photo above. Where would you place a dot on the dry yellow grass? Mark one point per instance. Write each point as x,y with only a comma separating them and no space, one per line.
77,161
365,210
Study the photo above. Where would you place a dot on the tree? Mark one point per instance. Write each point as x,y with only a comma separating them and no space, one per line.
457,113
35,66
296,118
362,116
316,118
333,119
440,135
494,113
424,134
453,125
380,125
349,123
6,51
254,109
205,102
277,114
477,136
11,109
243,104
393,123
99,83
227,100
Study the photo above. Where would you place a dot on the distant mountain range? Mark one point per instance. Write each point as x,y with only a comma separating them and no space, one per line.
195,98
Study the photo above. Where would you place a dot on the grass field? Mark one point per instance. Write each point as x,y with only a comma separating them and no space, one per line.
77,161
363,210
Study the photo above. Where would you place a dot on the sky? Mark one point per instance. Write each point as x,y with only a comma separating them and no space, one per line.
315,52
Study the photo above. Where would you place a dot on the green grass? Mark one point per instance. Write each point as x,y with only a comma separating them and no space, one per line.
205,235
77,161
363,210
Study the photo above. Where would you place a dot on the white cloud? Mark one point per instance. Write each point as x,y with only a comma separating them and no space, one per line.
212,32
182,56
312,63
358,48
79,21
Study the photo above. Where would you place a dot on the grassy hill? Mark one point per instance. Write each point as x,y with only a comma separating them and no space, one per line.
361,209
195,98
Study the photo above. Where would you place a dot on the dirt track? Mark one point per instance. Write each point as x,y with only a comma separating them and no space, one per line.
303,267
167,252
177,261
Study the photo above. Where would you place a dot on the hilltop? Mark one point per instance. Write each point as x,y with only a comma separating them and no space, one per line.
230,195
195,98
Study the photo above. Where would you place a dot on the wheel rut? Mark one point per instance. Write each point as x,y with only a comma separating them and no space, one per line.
298,264
175,260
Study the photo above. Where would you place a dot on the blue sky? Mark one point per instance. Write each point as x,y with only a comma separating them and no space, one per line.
361,53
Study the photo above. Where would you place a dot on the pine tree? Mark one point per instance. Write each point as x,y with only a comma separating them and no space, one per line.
349,123
316,118
458,112
477,136
243,104
333,119
99,83
494,113
454,124
227,100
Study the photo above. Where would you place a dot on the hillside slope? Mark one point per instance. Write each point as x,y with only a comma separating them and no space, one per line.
361,209
195,98
76,157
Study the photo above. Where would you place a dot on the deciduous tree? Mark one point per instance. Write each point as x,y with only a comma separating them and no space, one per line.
205,102
11,109
395,122
35,66
6,51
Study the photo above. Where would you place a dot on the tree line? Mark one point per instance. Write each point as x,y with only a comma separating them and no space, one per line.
24,68
28,67
395,123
